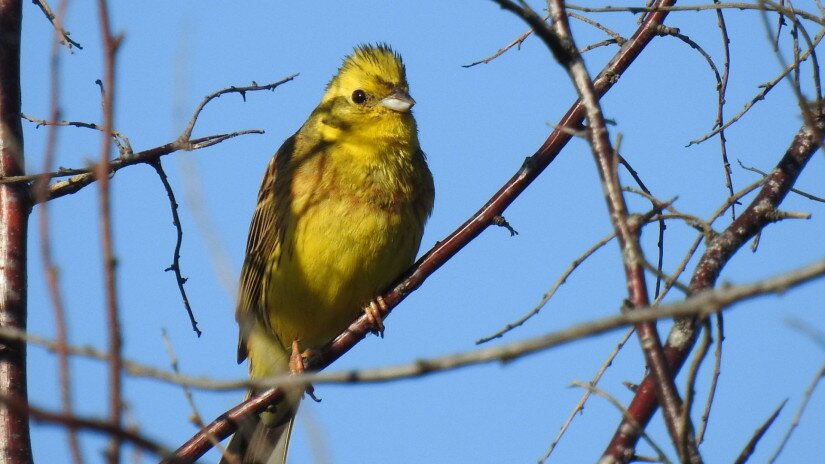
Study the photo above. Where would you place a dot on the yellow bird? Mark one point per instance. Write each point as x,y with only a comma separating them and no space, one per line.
340,215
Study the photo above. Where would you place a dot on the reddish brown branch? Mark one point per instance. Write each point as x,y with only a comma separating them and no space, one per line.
74,421
115,345
40,189
445,249
15,443
720,250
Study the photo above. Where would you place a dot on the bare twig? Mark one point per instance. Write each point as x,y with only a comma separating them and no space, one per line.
766,5
547,296
661,457
660,244
196,417
580,404
242,90
798,416
122,142
720,104
794,190
515,43
717,371
693,373
83,177
175,266
766,87
57,21
758,434
721,86
87,177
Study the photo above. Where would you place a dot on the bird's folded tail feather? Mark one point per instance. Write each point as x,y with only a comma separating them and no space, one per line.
256,442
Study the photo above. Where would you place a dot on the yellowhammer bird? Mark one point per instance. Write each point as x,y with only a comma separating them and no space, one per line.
340,215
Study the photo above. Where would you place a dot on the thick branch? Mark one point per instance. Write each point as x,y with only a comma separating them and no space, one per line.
15,444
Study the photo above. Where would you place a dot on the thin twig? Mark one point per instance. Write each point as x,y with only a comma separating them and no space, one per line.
547,296
124,146
515,43
720,104
794,190
758,434
766,6
704,303
766,87
586,395
196,417
618,405
721,86
57,21
175,266
798,416
83,177
714,382
693,373
242,90
660,244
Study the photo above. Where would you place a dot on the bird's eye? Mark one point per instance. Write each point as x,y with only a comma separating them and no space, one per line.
359,97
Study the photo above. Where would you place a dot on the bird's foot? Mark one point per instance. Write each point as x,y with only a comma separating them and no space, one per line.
298,360
374,310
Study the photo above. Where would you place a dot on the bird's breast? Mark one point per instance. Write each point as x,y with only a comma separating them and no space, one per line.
349,234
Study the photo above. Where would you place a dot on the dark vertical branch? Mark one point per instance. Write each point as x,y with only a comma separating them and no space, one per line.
110,45
15,444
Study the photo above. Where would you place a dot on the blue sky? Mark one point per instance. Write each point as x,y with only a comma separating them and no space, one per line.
477,125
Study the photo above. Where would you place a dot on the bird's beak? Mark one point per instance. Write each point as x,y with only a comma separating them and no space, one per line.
398,101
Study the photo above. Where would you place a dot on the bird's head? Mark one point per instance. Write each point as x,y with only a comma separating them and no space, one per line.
370,87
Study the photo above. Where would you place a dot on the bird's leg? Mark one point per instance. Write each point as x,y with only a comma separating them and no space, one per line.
374,310
296,359
297,365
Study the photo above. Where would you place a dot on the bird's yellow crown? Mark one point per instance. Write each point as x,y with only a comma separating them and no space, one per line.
375,69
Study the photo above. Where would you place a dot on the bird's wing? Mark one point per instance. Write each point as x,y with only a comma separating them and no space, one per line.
265,236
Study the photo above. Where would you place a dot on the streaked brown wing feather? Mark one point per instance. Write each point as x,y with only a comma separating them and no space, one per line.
265,235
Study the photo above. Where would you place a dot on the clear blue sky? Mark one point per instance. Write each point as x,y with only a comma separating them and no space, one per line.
476,125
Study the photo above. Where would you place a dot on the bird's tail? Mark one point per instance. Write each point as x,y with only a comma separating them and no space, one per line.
261,440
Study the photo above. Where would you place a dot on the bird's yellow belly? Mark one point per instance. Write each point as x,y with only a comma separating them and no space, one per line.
335,258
